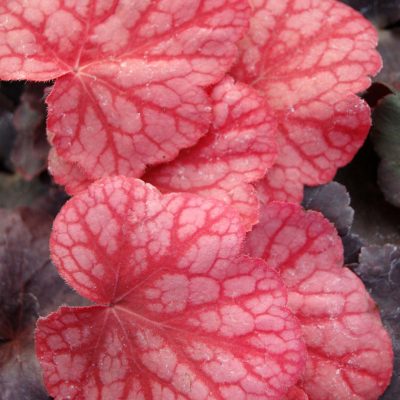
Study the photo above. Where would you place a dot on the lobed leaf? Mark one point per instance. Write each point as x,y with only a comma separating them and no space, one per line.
333,201
130,81
181,313
308,58
349,353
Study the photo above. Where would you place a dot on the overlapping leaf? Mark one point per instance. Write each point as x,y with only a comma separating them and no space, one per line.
308,59
333,201
349,353
130,81
181,314
71,176
238,150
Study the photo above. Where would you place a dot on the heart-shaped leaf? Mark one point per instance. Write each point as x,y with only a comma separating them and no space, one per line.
308,59
349,353
181,314
130,75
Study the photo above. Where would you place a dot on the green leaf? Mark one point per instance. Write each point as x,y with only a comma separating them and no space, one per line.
386,138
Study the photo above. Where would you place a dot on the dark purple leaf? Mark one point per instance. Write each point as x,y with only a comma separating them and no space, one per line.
29,155
379,268
389,47
15,192
38,194
352,244
29,287
389,180
375,220
7,138
375,93
10,92
382,12
333,201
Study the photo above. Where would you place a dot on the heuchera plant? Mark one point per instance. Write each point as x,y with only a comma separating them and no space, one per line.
182,313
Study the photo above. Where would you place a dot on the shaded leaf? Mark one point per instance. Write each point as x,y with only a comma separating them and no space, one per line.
352,244
389,48
29,287
375,220
7,138
375,93
15,191
38,194
379,268
10,94
386,137
382,13
389,180
333,201
29,155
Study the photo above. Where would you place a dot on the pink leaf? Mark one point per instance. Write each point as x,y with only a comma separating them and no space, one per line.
238,150
130,81
67,174
295,393
349,353
308,58
181,314
282,184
